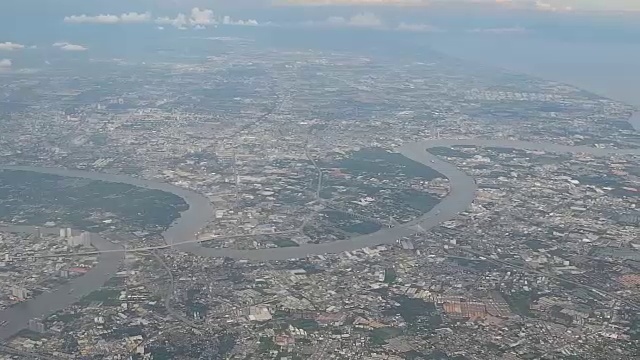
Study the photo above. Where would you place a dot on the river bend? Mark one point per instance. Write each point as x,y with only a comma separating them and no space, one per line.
461,195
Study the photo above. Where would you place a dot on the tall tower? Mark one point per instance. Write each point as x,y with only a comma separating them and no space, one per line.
236,178
126,276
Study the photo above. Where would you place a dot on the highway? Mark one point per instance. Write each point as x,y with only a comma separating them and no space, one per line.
315,164
18,316
461,194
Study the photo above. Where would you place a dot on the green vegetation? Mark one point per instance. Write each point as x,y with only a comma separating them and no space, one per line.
421,316
418,200
535,244
381,335
31,335
305,324
107,296
390,275
634,329
350,224
285,243
380,161
410,309
520,303
34,198
267,344
64,317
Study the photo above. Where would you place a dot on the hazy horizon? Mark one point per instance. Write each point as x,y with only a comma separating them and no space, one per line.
594,51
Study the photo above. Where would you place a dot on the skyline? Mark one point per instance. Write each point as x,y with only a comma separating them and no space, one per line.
42,7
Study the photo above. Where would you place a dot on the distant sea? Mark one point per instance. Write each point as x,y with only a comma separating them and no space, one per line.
609,69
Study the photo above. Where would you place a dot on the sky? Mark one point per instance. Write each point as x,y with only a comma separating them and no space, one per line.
593,43
42,6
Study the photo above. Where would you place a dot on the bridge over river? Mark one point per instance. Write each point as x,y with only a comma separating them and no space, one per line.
182,232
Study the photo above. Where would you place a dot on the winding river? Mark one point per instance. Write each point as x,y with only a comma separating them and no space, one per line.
461,195
193,219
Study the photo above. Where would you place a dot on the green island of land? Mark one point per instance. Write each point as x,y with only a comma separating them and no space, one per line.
33,198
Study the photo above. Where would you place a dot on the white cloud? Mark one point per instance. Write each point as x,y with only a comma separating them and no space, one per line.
351,2
336,20
135,18
202,17
9,46
227,20
65,46
365,20
417,27
179,22
86,19
540,5
5,63
508,30
198,19
127,18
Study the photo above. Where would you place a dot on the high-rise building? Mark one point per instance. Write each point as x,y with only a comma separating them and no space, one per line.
84,240
20,293
36,325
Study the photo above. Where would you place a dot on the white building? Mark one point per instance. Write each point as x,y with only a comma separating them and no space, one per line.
20,293
84,240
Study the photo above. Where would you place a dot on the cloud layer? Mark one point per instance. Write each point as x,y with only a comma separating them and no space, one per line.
417,27
198,19
5,63
363,20
351,2
126,18
65,46
9,46
508,30
541,5
227,20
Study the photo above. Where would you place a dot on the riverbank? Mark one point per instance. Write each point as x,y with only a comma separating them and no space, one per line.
192,220
17,317
462,192
461,195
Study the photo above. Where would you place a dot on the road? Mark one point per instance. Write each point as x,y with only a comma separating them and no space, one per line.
461,194
18,316
181,235
318,169
25,354
169,297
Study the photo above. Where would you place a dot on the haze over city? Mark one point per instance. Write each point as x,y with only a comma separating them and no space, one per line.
320,179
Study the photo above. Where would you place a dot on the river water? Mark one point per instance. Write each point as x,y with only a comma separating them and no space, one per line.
18,316
192,220
462,193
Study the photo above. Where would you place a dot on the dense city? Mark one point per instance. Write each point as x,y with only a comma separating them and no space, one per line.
295,150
